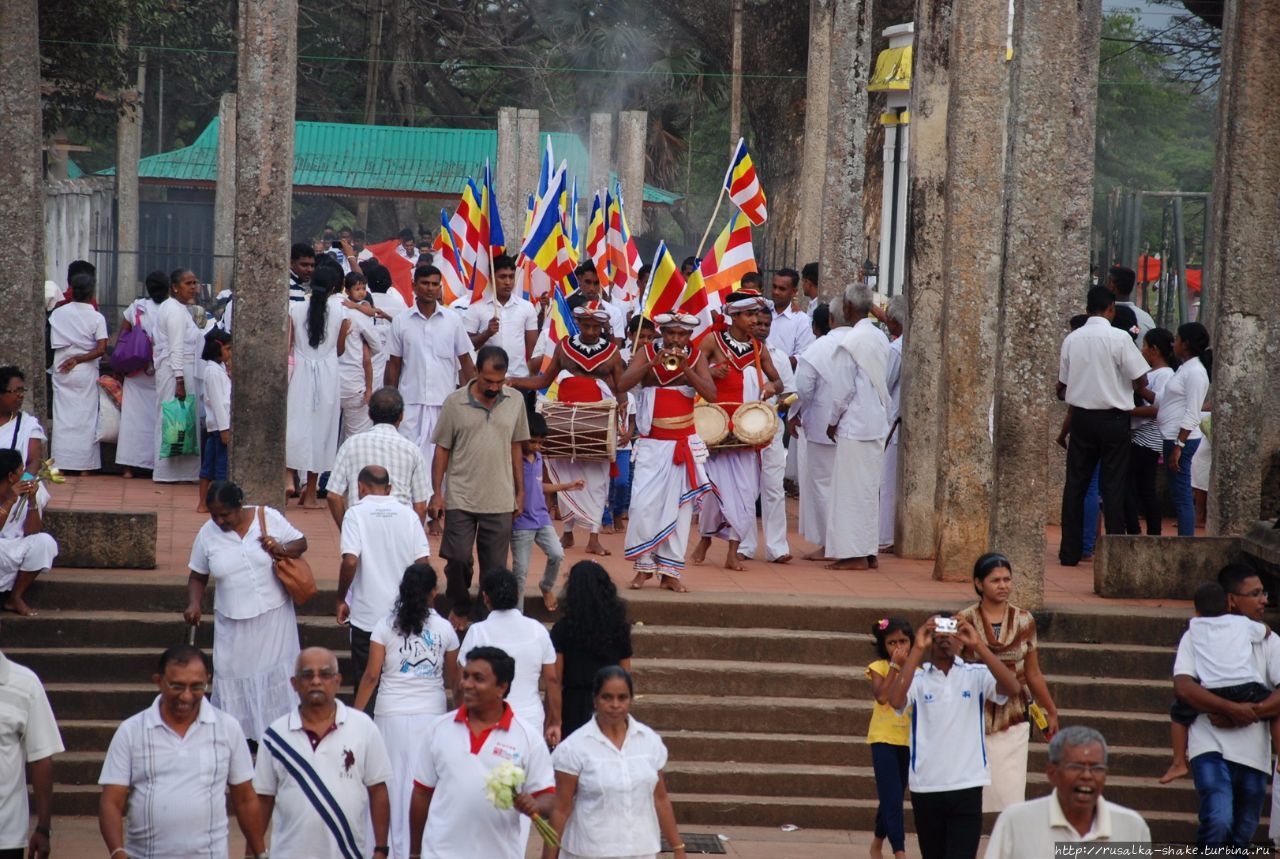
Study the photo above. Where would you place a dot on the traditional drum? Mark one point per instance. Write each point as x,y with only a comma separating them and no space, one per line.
755,423
587,431
711,423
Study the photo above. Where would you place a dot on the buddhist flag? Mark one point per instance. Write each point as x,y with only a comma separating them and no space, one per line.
743,186
731,256
596,247
624,259
497,240
401,269
666,286
546,244
448,260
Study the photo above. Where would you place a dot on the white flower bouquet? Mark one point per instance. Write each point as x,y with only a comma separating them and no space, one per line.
502,786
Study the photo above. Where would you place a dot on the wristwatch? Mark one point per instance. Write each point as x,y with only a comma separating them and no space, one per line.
1177,442
384,850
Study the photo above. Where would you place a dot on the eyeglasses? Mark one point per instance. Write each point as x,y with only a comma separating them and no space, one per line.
193,688
1097,769
1255,593
311,674
16,391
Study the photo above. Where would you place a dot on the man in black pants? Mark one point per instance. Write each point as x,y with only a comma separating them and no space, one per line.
1097,373
948,750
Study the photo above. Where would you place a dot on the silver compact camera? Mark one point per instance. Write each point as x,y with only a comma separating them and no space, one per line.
945,626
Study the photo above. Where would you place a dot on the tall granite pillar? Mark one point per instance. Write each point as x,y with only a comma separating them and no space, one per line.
506,169
529,159
971,260
224,196
22,201
267,87
1042,253
128,153
840,262
600,147
922,350
633,134
814,153
1245,260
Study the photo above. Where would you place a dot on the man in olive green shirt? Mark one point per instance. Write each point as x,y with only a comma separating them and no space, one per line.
478,462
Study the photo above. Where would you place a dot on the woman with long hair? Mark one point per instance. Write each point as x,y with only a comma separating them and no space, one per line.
593,633
1179,416
1145,442
413,659
318,332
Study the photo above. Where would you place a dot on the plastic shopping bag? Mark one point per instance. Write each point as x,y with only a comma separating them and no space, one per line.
178,435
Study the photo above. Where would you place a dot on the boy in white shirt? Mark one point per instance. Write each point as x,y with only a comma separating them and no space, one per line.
1223,646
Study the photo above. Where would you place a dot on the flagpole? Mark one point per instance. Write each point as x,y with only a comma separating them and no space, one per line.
702,244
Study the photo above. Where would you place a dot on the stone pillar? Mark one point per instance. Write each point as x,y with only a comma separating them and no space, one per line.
506,171
128,153
922,349
22,203
1036,280
840,261
1245,258
224,196
600,145
633,133
267,84
814,153
529,160
971,261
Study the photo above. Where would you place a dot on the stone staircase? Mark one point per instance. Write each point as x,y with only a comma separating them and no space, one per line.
761,700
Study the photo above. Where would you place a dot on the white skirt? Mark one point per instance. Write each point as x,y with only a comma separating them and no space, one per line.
138,414
1007,757
253,661
404,737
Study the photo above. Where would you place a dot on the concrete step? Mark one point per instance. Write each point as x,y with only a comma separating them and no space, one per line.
141,629
754,645
113,665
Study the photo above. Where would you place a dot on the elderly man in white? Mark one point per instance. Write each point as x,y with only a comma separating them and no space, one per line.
815,460
1075,811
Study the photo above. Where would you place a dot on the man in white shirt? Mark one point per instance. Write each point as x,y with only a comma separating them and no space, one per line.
773,462
949,764
322,770
815,461
809,286
504,319
429,358
859,424
1075,811
1120,281
589,293
450,817
792,329
1097,372
172,765
381,537
29,739
408,247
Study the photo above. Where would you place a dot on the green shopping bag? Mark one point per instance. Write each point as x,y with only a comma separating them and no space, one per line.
178,435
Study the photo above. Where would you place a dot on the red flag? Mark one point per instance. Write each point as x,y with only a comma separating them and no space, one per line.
401,269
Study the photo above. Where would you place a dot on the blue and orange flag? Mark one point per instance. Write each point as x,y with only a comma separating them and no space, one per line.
546,244
448,260
497,240
624,259
744,187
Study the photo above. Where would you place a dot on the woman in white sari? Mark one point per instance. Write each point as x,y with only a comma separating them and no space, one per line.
19,430
136,447
25,550
177,348
78,337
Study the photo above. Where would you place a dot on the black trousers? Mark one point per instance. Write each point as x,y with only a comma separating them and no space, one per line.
14,853
360,661
1141,501
488,533
948,823
1097,435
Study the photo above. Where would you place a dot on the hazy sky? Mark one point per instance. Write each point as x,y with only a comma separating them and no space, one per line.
1149,14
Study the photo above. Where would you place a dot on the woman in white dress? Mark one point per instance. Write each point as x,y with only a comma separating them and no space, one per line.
78,337
255,630
177,347
413,658
356,365
318,330
19,430
25,550
611,798
138,410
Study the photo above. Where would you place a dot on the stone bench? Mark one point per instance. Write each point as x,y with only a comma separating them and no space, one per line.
103,538
1141,567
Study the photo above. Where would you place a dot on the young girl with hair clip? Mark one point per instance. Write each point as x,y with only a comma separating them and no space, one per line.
888,734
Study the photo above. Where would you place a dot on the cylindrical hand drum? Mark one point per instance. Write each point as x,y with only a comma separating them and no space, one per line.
755,423
711,422
586,431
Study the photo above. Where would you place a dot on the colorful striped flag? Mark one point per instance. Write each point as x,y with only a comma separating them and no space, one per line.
721,270
666,285
744,187
448,260
489,206
546,244
624,259
596,248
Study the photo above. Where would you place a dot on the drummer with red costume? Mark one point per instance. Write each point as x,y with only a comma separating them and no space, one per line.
587,368
667,459
740,367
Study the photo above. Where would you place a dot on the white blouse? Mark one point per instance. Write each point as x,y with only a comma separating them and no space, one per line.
246,584
1180,403
613,811
17,432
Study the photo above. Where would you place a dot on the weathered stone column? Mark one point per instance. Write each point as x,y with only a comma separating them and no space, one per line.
224,196
267,80
922,352
842,222
529,160
22,201
128,153
600,146
1245,259
506,170
1036,279
812,177
972,249
633,133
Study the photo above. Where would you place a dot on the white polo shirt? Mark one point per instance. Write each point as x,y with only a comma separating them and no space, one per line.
1098,363
462,823
28,733
246,583
1031,828
527,642
948,736
814,389
178,785
337,772
429,349
515,318
386,536
791,331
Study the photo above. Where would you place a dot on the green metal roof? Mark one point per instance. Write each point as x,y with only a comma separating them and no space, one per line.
383,159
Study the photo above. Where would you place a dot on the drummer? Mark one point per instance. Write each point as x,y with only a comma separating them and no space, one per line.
586,368
667,471
743,372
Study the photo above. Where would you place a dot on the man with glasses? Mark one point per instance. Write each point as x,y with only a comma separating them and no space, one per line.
177,758
1075,811
323,769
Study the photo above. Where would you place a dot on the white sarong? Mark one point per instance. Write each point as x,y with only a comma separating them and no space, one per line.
853,513
773,504
138,413
253,660
404,736
817,467
584,507
18,553
75,329
662,504
729,512
1007,757
419,425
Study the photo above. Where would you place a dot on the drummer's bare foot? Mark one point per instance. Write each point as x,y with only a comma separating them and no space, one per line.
638,582
671,583
594,547
781,559
700,550
732,560
849,564
566,540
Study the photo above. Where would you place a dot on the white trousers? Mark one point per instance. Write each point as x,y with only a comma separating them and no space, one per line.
773,504
817,464
853,514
